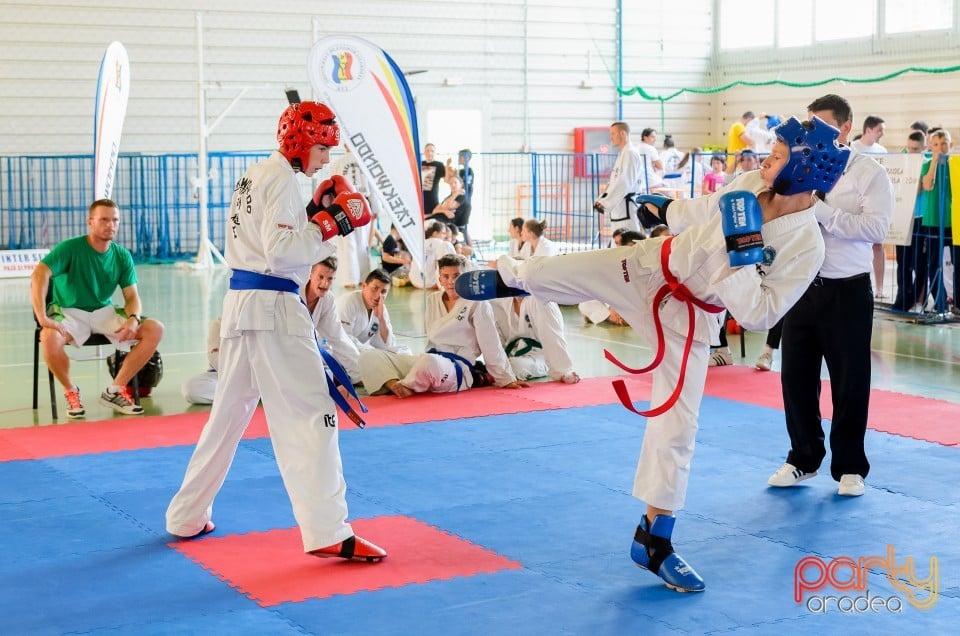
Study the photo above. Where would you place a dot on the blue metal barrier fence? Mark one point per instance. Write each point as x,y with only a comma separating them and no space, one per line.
44,199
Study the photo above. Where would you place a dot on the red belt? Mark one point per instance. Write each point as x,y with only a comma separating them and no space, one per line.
681,293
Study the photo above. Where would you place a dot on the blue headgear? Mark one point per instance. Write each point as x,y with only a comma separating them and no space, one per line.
816,159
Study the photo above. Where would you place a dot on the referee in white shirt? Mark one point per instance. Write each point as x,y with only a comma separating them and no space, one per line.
833,321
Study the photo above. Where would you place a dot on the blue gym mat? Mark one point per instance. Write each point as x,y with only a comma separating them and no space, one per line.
86,550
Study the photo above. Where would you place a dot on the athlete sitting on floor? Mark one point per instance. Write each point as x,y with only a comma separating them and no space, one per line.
458,332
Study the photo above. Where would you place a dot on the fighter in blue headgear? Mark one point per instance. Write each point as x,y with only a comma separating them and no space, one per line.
816,163
816,159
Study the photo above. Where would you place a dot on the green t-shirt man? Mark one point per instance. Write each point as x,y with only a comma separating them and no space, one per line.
83,278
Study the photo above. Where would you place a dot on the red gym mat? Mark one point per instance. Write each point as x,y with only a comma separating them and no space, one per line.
906,415
911,416
157,431
273,569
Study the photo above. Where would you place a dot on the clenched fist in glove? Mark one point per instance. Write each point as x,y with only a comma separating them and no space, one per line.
349,210
742,219
326,192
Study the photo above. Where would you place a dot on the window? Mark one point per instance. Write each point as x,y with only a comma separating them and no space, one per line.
795,23
791,24
904,16
746,24
845,20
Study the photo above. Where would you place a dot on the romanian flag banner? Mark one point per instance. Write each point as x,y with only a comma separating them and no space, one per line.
113,90
369,94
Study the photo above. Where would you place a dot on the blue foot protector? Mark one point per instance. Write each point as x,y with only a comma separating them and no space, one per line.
484,284
653,551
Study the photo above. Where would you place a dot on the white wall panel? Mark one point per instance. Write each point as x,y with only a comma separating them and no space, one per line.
521,62
900,101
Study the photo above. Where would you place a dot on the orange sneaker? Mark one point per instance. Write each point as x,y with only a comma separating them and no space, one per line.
74,405
355,548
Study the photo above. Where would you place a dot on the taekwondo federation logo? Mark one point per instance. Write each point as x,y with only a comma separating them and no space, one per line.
813,574
343,68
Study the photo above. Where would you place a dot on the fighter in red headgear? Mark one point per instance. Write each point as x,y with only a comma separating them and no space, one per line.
302,126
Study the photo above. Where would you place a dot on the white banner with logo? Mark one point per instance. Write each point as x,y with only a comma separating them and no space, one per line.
904,172
113,90
19,263
374,107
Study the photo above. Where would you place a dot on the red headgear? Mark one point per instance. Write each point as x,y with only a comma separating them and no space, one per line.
301,127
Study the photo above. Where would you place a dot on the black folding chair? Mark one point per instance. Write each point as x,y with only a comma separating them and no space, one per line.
95,340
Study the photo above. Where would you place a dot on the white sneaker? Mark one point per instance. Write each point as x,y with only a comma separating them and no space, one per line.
720,358
851,486
788,475
765,361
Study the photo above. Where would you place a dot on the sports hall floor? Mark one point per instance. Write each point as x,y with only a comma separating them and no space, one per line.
503,511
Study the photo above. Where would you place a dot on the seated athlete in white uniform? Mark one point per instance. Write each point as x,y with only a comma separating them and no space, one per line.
364,316
753,249
434,246
531,332
200,388
459,331
326,319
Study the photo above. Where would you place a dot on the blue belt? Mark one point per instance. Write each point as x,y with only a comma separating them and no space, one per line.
336,373
455,359
243,279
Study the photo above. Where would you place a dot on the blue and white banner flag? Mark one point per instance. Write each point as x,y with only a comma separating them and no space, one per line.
113,89
369,94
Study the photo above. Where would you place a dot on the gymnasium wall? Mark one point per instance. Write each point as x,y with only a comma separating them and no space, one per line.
930,96
536,69
523,63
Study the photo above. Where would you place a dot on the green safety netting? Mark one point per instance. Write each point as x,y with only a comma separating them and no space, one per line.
638,90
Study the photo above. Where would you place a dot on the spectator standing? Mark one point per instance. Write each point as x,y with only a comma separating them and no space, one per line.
626,179
738,139
911,261
653,168
432,173
869,142
873,129
937,221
